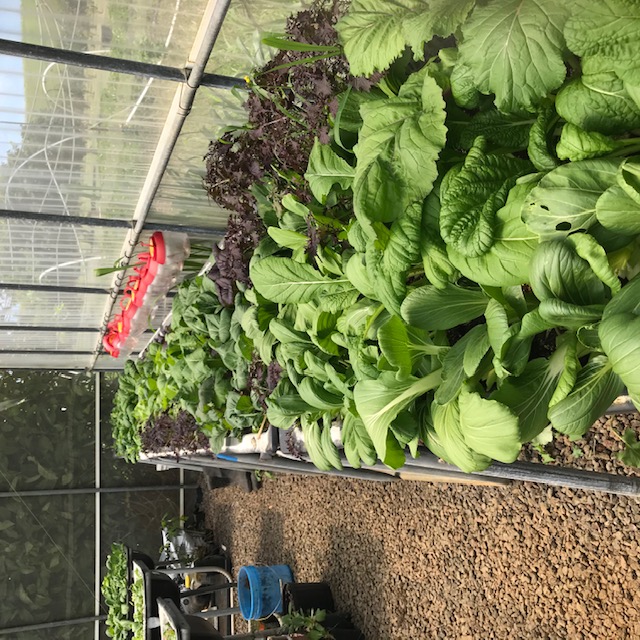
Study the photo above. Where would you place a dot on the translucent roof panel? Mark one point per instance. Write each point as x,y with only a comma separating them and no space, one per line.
43,340
238,48
51,309
157,31
83,141
182,197
43,361
55,254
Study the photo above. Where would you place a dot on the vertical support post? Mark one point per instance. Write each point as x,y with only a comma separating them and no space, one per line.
98,505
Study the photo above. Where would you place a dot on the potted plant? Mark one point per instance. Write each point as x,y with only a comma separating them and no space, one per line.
303,626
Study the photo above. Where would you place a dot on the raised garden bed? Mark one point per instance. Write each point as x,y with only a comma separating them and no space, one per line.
450,262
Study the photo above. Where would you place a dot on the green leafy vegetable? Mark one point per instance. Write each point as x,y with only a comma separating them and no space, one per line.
514,49
431,308
397,149
471,195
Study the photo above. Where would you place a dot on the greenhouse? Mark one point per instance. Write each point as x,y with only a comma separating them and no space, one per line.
362,248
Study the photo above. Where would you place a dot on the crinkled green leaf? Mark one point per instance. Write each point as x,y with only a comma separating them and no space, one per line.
598,103
565,199
433,18
471,196
371,34
430,308
607,29
437,267
507,261
596,388
576,144
375,33
540,133
326,168
514,49
464,89
505,130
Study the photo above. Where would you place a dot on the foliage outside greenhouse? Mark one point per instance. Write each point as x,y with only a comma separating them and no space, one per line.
435,243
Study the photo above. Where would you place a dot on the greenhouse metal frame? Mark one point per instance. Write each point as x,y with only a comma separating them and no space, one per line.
74,186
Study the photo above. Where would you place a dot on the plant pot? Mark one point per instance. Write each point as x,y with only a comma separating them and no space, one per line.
260,590
308,597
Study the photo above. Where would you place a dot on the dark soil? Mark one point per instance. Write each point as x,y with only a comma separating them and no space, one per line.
414,560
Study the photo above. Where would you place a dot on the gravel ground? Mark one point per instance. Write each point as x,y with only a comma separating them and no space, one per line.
596,451
414,560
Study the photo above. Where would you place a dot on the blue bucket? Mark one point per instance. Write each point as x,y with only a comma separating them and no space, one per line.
260,590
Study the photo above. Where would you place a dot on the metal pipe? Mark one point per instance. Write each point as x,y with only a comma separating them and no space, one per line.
50,288
563,477
108,223
182,102
97,452
256,635
52,329
38,493
116,65
250,463
546,474
203,591
44,352
50,625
